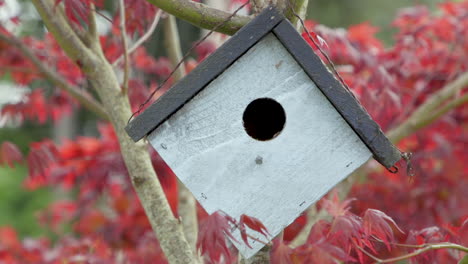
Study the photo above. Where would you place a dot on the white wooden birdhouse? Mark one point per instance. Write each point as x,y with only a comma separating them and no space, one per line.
262,128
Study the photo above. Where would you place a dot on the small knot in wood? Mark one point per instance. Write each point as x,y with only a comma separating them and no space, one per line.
138,181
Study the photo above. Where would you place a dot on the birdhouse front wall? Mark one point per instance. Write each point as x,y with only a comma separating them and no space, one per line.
208,148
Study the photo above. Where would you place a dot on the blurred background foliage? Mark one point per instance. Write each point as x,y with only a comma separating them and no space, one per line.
344,13
19,207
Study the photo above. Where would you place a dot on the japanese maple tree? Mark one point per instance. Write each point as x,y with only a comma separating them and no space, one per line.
127,206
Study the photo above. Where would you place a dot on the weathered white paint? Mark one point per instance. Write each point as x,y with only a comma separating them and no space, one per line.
206,146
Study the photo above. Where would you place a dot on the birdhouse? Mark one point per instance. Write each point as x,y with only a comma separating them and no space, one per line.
262,127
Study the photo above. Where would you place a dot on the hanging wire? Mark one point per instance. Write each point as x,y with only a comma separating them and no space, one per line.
406,156
329,61
394,169
140,108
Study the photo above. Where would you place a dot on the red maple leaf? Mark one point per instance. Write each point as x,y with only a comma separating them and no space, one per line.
254,224
280,252
378,224
212,237
322,252
464,233
10,154
335,207
138,13
363,34
41,157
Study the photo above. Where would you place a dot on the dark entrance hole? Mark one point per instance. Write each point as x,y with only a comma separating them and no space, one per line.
264,119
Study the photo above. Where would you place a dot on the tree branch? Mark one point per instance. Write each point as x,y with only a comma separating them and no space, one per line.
168,229
123,32
101,75
92,27
415,253
298,7
80,95
431,109
201,15
143,38
172,43
67,38
79,31
187,203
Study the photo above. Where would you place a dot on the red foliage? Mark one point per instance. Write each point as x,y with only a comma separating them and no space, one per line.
138,14
211,239
254,224
281,253
10,154
430,51
78,10
381,226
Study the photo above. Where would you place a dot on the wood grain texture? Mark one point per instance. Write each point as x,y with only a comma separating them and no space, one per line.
203,74
342,99
208,149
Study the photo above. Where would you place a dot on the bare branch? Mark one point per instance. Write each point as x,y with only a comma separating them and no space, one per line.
298,7
187,203
92,27
172,42
415,253
84,98
123,32
101,75
92,35
432,109
167,228
63,33
80,32
201,15
143,38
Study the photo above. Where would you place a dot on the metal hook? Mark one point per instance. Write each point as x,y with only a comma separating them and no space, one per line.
393,169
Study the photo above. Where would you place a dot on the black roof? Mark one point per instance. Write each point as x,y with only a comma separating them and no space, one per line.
269,21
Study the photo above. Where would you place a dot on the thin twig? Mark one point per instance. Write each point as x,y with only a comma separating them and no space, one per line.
398,244
103,16
123,32
427,247
18,69
83,97
79,31
92,27
172,41
63,32
184,58
202,15
143,38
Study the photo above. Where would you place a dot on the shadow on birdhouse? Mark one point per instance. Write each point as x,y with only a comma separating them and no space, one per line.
262,128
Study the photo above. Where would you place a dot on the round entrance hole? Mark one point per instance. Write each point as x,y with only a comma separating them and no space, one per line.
264,119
